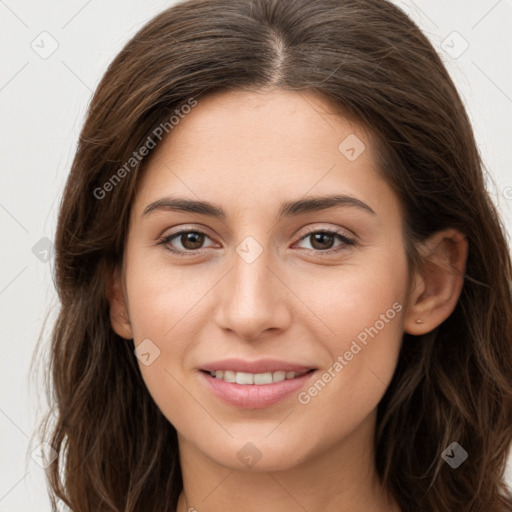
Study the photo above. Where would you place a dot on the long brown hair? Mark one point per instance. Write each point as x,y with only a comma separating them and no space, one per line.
116,450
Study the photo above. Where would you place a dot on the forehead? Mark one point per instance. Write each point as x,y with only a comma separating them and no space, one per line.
246,149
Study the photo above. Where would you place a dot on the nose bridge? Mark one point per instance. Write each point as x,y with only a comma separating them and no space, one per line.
251,275
251,300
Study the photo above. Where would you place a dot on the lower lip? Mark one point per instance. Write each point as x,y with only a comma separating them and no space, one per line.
254,396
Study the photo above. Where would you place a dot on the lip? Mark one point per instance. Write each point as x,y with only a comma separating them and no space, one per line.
254,396
260,366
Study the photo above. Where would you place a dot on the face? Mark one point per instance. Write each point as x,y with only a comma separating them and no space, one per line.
264,288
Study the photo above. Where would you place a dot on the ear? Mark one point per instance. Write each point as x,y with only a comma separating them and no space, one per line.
437,286
119,316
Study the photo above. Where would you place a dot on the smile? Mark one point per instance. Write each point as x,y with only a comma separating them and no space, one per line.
258,379
254,390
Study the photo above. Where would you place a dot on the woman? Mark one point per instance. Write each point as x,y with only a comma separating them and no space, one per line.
283,283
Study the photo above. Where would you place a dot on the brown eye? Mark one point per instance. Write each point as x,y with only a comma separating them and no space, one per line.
321,241
191,240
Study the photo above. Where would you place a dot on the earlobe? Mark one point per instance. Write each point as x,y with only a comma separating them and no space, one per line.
119,316
437,288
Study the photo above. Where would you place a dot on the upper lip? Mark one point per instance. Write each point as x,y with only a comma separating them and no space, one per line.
259,366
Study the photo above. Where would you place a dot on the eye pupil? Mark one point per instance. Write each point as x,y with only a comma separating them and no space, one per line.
197,240
321,237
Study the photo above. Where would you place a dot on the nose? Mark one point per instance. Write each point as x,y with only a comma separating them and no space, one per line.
252,299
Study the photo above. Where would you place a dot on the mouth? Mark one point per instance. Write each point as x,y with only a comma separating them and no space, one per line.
257,379
245,390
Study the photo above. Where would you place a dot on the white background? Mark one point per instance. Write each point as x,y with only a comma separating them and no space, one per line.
43,102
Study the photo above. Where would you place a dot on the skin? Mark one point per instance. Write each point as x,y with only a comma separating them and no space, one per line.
248,152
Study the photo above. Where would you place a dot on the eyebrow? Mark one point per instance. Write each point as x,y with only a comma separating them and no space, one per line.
287,209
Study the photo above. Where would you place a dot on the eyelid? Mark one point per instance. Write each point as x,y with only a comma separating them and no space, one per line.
327,229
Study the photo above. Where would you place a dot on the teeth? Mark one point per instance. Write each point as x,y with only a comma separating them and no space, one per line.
279,376
244,378
254,378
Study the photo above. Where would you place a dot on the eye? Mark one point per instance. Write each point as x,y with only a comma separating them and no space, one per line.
190,240
322,241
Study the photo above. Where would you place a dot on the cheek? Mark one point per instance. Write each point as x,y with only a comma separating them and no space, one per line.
363,310
353,297
162,309
165,306
162,299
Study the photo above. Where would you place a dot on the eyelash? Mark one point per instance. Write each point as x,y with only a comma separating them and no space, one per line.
342,237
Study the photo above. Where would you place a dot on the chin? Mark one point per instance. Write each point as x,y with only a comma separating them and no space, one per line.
258,456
